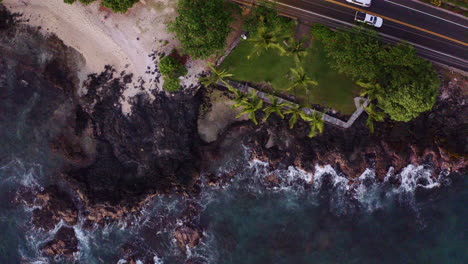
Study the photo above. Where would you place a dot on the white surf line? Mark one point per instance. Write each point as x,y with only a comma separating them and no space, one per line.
382,34
446,20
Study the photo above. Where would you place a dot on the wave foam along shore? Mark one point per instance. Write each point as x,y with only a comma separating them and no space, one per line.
123,41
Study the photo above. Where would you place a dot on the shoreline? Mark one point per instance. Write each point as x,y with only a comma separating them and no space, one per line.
124,41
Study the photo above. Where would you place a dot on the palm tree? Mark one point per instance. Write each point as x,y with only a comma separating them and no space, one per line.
250,106
373,115
265,40
373,91
316,123
301,80
274,107
215,76
295,111
296,50
238,95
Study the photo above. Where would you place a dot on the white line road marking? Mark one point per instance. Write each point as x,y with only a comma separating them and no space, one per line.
446,20
465,62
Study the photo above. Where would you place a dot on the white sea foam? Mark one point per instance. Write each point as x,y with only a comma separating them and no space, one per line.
412,177
337,180
19,172
157,260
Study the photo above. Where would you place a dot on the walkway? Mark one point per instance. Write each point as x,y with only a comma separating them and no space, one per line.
328,119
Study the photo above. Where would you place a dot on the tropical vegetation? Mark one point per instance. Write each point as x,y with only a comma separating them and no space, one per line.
295,112
250,105
118,6
300,80
171,84
216,76
373,115
171,68
274,107
265,40
202,26
316,122
403,84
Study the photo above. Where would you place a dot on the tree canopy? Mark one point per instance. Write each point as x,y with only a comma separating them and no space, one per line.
202,26
407,83
266,15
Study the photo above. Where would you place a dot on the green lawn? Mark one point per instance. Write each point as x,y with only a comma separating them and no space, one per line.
334,89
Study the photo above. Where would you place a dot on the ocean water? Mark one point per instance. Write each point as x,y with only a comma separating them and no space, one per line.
305,218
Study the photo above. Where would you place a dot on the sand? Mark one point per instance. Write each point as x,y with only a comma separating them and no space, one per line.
105,38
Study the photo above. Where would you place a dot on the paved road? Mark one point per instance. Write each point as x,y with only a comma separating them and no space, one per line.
439,36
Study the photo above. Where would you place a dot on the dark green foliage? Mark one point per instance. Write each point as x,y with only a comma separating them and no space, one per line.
119,6
171,84
202,26
172,67
87,2
321,32
266,15
354,53
409,83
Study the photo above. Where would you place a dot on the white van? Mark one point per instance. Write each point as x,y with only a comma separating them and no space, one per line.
364,3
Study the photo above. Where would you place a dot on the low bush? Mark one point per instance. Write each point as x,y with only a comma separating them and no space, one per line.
171,84
119,6
86,2
172,67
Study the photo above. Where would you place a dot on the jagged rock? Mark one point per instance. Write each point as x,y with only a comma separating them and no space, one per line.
53,205
64,244
188,236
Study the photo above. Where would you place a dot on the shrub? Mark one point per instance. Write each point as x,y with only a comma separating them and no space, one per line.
119,6
86,2
171,84
172,67
202,26
321,32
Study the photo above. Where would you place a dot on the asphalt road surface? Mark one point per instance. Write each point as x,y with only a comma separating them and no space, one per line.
437,35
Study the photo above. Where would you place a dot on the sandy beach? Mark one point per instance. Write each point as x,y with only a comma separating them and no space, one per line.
106,38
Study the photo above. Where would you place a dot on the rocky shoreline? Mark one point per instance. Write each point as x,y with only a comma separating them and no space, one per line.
114,164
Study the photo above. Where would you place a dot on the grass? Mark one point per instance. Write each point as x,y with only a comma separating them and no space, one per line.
334,89
457,6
